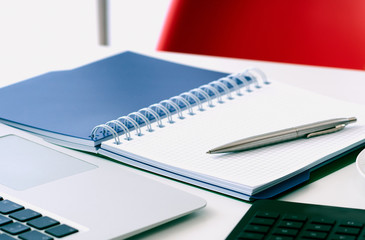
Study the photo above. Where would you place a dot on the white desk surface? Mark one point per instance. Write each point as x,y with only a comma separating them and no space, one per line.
343,188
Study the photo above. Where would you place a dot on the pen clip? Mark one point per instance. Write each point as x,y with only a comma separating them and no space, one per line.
326,131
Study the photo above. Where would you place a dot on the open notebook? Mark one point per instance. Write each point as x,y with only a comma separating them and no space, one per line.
164,117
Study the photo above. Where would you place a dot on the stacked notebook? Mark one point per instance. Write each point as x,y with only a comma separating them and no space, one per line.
163,117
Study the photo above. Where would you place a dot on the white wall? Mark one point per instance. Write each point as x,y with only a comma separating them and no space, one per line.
34,31
49,23
136,24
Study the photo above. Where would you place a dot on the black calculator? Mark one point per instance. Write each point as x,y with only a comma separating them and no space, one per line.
281,220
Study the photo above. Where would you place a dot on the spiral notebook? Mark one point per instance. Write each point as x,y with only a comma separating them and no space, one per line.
163,117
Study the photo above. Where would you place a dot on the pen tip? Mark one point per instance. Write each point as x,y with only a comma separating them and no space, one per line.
352,119
209,152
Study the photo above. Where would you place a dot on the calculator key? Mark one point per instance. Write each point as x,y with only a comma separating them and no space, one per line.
25,215
43,222
343,237
290,224
4,220
348,230
61,230
286,232
351,224
267,214
280,238
293,217
15,228
323,221
319,227
263,221
7,207
257,228
251,236
34,235
315,235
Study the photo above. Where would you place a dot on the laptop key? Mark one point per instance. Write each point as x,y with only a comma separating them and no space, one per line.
61,230
43,223
15,228
25,215
12,214
6,237
7,207
34,235
4,220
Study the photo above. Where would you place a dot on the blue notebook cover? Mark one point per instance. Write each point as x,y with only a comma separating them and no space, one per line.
72,102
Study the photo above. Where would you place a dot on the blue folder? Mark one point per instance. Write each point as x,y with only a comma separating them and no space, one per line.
66,105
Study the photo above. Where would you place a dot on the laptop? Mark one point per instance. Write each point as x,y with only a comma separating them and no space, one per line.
50,191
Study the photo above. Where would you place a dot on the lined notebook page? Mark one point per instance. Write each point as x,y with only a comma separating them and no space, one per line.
182,146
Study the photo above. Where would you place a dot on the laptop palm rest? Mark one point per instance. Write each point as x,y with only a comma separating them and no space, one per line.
25,164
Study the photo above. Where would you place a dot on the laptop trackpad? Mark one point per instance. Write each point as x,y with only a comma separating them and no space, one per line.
25,164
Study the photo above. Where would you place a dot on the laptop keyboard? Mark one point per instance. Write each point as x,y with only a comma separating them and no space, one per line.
17,222
279,220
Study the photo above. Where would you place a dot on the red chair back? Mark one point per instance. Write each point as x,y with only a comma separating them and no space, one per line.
315,32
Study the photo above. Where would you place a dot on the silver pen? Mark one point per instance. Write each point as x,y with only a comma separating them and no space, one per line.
304,131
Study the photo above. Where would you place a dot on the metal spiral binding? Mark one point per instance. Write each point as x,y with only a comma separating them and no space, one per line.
177,104
172,104
143,118
164,110
201,92
189,95
127,119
